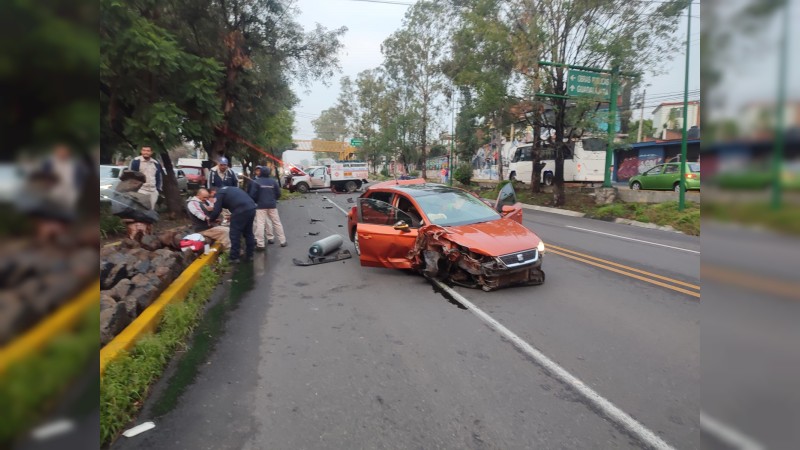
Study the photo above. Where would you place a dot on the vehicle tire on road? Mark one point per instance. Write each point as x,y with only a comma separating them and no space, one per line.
548,179
636,186
677,187
350,187
302,188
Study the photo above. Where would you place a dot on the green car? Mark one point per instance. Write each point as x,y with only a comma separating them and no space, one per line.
667,177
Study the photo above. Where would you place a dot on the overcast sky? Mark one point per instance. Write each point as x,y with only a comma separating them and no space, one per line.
370,23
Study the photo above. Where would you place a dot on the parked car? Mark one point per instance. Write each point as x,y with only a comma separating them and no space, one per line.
183,182
446,233
109,176
667,177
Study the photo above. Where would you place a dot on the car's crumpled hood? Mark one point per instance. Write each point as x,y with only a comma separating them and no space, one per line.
495,238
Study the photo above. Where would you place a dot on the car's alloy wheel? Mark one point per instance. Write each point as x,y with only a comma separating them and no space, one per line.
350,186
636,186
302,188
677,187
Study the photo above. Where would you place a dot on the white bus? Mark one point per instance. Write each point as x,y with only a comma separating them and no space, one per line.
584,161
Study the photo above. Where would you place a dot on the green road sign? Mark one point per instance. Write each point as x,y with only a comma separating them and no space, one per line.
356,142
588,84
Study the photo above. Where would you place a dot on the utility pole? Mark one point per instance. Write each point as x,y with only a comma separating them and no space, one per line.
641,117
682,181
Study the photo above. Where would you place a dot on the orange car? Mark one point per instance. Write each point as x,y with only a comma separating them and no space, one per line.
446,233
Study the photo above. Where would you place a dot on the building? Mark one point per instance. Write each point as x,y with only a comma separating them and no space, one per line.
640,157
669,116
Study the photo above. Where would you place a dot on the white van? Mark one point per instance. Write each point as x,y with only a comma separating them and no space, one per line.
584,161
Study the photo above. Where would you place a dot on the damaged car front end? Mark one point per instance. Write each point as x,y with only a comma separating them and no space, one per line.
437,255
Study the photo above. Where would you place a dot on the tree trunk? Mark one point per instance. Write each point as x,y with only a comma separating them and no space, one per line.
424,141
172,194
499,159
559,197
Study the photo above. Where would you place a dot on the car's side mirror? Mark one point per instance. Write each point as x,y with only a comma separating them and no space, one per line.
401,226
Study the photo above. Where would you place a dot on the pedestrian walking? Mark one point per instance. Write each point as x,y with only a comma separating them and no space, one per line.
444,174
243,211
222,175
151,169
266,191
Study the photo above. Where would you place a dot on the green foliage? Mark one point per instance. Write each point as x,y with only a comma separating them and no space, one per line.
127,379
385,171
110,224
667,213
28,387
633,130
463,174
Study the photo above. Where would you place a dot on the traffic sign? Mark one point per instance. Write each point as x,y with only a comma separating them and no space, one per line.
588,84
356,142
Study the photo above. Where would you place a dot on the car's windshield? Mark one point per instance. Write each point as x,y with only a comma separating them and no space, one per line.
694,167
190,170
455,208
109,172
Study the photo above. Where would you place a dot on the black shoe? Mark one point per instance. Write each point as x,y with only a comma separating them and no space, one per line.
271,241
260,249
283,245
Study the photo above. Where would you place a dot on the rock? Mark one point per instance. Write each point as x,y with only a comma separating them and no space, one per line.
112,322
151,242
164,274
128,243
605,196
29,291
105,252
105,269
142,265
117,273
141,297
107,301
169,238
120,290
14,316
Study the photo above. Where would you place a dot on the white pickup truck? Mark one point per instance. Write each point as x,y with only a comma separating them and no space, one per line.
340,177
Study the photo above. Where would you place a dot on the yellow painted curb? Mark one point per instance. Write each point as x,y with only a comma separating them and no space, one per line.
148,319
58,322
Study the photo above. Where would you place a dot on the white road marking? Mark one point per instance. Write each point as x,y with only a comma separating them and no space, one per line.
334,204
726,434
610,410
632,239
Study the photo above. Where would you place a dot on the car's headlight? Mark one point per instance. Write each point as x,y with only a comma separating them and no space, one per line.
540,248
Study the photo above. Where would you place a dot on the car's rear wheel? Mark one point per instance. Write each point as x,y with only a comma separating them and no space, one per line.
677,187
636,186
548,179
302,188
350,186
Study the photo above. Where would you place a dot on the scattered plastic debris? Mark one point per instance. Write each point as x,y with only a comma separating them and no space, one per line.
138,429
53,429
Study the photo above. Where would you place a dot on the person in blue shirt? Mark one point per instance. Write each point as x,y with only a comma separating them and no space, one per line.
221,175
266,191
243,211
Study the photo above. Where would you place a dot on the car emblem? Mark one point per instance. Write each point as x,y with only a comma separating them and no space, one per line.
519,257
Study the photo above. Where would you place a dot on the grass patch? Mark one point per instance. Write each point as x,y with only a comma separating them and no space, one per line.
30,388
785,220
667,213
127,379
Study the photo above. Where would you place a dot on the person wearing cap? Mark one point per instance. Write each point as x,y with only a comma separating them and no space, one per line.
221,175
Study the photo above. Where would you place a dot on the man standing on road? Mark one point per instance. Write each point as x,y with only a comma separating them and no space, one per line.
266,191
243,211
152,173
221,175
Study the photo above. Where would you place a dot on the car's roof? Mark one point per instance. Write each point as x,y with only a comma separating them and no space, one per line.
415,188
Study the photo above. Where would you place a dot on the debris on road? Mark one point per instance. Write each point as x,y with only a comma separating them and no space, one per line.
313,233
319,251
138,429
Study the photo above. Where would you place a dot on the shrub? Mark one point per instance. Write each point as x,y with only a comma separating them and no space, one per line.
385,171
463,174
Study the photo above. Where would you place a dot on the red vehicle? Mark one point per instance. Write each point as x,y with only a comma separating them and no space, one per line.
446,233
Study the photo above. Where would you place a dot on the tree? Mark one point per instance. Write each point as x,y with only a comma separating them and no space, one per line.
633,36
633,130
331,125
152,91
413,59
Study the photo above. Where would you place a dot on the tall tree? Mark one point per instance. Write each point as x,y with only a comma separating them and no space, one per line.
413,60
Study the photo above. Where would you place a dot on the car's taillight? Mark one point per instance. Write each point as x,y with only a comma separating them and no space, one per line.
691,176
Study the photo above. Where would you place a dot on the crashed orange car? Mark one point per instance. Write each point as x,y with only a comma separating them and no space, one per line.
446,233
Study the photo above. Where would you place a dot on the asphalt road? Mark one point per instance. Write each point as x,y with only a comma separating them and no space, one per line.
340,356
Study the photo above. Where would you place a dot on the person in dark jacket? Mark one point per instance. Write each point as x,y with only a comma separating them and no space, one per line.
222,175
243,211
266,191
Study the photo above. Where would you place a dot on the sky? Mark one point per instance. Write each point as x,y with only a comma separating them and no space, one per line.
369,23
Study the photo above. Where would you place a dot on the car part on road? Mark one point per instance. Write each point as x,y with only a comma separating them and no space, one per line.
325,246
313,260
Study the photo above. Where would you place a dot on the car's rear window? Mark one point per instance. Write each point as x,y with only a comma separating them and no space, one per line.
109,172
694,167
190,170
455,208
